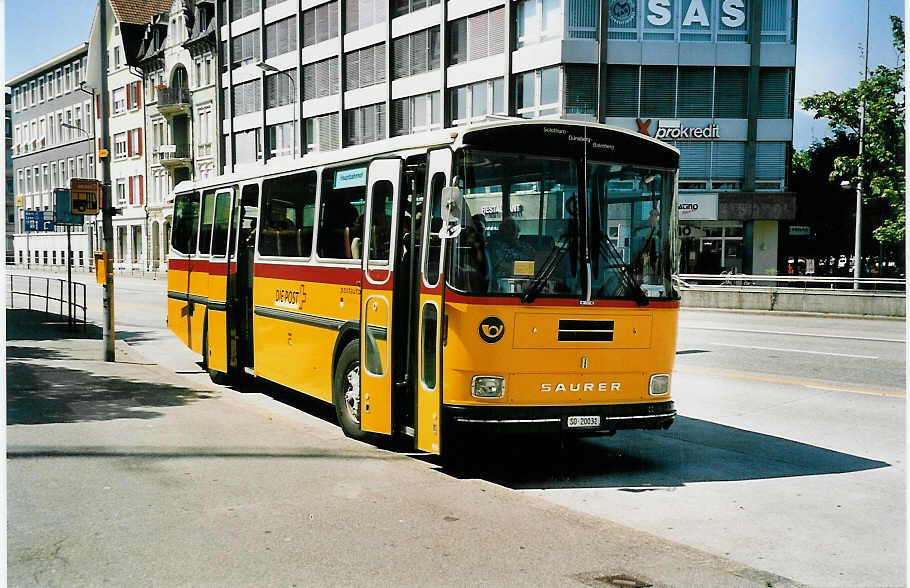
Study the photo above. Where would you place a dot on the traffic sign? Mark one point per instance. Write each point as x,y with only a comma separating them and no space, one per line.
102,153
62,213
86,194
34,220
20,201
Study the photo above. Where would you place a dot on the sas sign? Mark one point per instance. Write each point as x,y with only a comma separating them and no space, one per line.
694,13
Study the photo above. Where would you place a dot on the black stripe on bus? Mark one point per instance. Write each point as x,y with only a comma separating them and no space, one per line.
219,306
300,317
584,325
187,297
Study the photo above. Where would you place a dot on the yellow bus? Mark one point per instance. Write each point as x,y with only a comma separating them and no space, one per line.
507,277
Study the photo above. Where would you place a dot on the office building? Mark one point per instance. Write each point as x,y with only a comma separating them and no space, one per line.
714,77
52,142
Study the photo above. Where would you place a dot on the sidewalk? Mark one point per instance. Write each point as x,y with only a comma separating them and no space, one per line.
126,474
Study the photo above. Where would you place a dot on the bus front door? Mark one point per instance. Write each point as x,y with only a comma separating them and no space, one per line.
378,281
430,318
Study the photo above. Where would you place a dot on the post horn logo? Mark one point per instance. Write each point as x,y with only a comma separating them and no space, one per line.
491,329
622,11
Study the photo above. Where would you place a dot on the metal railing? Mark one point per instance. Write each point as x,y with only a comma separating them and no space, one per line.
70,303
173,97
729,280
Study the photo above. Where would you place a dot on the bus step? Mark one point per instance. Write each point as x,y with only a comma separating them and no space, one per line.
249,371
409,431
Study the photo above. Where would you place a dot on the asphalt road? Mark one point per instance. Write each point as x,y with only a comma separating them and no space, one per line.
788,454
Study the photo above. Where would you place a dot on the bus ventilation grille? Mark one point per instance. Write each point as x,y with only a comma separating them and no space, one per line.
582,330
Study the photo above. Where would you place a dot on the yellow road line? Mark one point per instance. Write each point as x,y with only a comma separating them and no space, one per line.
791,382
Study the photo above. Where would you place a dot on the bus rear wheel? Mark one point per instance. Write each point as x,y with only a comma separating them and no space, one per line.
346,391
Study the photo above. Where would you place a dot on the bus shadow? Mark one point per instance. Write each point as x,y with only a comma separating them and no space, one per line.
691,451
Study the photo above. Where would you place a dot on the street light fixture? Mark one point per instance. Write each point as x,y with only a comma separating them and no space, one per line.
272,69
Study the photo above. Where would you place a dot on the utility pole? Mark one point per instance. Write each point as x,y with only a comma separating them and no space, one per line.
107,211
858,243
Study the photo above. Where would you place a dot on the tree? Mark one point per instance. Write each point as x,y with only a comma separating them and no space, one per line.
883,138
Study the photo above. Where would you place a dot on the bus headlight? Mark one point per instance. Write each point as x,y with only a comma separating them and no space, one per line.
487,386
659,385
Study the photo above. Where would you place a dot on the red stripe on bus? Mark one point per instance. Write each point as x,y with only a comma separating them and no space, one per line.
343,276
452,296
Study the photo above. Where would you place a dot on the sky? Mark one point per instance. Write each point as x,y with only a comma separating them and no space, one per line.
828,51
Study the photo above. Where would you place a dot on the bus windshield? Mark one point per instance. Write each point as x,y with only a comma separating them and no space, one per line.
520,211
523,227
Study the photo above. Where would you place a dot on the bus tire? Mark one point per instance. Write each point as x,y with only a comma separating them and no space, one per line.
346,391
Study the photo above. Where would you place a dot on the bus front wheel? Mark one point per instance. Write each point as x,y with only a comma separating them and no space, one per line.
346,391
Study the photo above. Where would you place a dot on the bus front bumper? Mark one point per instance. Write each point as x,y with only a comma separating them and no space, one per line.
609,418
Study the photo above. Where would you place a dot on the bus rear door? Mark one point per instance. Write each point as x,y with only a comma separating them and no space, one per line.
428,423
378,281
219,280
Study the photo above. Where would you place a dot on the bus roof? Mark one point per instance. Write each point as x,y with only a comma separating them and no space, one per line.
451,136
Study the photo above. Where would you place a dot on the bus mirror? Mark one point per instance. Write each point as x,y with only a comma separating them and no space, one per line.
452,208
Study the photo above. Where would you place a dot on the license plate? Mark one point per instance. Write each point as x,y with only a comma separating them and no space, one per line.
583,421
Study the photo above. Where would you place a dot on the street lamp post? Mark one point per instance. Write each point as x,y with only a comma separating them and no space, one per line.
858,242
272,69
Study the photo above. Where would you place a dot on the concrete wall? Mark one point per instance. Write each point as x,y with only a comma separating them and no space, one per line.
787,300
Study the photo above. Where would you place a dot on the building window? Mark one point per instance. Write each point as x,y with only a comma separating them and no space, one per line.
658,91
364,67
537,21
415,114
280,141
242,8
249,146
320,79
475,101
537,93
477,36
320,24
246,98
363,14
730,92
119,100
120,146
121,191
402,7
364,124
279,90
695,92
281,37
415,53
245,49
322,132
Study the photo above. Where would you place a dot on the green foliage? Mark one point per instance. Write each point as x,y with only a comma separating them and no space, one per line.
883,137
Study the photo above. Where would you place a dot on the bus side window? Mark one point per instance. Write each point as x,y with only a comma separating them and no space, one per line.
434,209
208,219
341,208
186,223
286,227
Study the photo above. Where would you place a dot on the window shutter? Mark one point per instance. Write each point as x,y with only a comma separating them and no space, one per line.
138,94
128,90
580,90
309,27
622,90
98,106
333,75
141,190
695,84
419,53
478,35
400,57
774,93
309,81
352,70
367,74
497,31
727,160
694,157
658,91
139,141
129,143
130,182
730,92
770,160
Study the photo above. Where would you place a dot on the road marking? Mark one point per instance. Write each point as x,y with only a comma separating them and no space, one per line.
796,350
790,382
824,336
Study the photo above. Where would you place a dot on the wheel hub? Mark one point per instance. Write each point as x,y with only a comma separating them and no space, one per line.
352,393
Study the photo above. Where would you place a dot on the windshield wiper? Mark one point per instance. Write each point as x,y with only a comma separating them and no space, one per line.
614,261
546,270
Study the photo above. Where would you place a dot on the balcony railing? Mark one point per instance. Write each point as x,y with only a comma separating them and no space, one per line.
173,97
175,155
